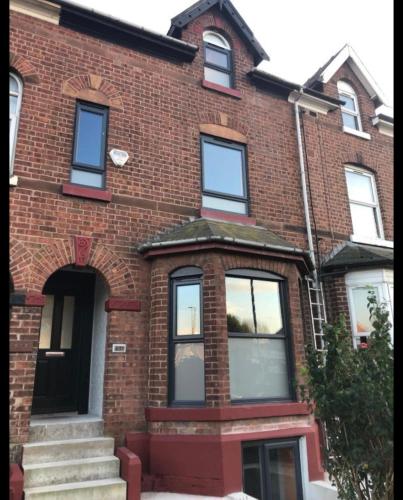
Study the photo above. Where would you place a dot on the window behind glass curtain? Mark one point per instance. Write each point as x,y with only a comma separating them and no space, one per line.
88,166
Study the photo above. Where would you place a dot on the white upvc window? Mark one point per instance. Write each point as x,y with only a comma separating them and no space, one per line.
349,111
15,106
358,284
364,206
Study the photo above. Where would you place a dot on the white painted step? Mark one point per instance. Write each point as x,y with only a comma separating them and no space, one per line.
70,471
55,451
102,489
65,428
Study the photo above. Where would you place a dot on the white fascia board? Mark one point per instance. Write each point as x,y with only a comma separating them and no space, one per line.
40,9
348,53
384,127
311,103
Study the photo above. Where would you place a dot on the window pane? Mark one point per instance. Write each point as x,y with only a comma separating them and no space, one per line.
360,301
258,368
216,40
364,221
188,309
350,104
251,455
239,305
217,58
89,137
13,85
283,482
238,207
252,482
267,306
86,178
67,322
189,372
46,323
222,169
359,187
13,104
215,76
350,121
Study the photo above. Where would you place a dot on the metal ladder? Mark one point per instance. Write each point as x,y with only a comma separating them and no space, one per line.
318,312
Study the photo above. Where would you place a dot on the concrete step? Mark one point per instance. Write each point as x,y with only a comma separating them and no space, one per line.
70,471
63,429
102,489
55,451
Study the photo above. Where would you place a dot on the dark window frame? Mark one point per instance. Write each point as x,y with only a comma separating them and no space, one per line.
229,70
83,167
190,275
218,194
286,334
264,463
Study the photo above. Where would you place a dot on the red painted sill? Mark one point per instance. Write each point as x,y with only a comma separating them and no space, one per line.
86,192
221,88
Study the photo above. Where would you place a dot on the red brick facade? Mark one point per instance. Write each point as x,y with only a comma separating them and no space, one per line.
157,109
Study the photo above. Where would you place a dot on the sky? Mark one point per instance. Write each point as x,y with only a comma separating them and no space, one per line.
299,36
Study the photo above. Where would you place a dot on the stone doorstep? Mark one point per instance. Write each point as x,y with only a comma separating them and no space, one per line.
102,489
64,429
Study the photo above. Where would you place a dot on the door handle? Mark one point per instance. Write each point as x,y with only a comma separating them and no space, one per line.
55,354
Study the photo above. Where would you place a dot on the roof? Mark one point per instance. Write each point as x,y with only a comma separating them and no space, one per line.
204,230
352,255
347,53
184,18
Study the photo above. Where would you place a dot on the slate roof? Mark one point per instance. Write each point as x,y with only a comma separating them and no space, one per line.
356,255
181,20
207,230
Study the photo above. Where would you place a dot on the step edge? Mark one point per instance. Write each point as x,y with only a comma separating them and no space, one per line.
65,463
75,485
97,439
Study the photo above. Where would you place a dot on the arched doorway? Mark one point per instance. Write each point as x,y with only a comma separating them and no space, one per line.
71,316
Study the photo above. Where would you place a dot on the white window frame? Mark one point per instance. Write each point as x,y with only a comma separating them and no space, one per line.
14,117
346,90
382,280
378,218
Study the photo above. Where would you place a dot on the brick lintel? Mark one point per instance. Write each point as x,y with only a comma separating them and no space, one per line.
120,304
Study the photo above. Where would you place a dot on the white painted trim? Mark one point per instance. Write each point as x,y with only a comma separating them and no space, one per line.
311,103
40,9
367,241
384,127
13,180
358,133
348,53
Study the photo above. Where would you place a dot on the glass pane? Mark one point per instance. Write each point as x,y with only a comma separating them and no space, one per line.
46,323
13,104
251,455
267,306
215,76
258,368
283,483
89,139
252,482
217,58
359,187
364,221
13,85
239,305
86,178
188,309
67,322
215,40
360,301
350,104
238,207
189,372
350,121
222,169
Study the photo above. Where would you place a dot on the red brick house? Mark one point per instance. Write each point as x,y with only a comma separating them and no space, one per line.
170,207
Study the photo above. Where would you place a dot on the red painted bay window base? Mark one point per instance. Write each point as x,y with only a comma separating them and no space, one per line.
86,192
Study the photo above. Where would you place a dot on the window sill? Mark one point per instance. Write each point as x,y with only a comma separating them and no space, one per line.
86,192
358,133
367,241
220,88
13,180
209,213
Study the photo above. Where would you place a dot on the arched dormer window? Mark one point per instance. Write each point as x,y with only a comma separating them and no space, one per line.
349,111
15,94
217,59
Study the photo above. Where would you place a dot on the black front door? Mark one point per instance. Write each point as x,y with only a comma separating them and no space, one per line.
63,362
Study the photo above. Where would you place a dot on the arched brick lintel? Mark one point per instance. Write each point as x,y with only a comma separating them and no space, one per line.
24,67
93,88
